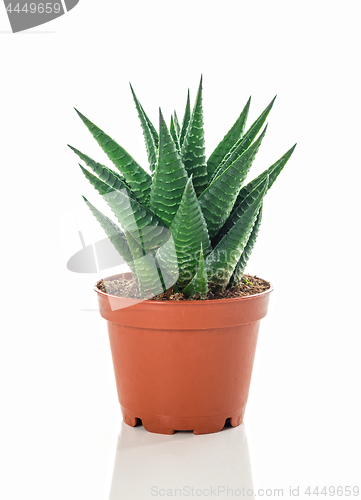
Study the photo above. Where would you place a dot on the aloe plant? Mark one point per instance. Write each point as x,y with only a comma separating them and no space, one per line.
189,222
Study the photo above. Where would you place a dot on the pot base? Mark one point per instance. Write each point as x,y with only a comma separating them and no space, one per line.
169,425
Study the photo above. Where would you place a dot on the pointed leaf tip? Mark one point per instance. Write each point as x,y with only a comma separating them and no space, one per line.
132,90
78,112
83,117
73,149
161,118
136,177
193,145
228,142
149,132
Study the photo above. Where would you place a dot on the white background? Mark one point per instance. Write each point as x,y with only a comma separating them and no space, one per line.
60,417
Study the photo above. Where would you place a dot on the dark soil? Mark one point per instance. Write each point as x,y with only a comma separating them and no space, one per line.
249,285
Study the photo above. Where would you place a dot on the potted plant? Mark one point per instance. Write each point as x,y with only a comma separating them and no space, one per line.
183,324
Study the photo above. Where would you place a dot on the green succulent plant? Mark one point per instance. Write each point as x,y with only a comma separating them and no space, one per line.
190,222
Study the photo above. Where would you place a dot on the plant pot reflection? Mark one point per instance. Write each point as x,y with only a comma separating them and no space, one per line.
149,465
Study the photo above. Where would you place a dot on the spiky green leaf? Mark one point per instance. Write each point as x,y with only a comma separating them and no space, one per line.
176,124
151,128
150,144
193,148
170,177
222,261
273,172
146,270
174,133
167,260
244,142
218,199
241,264
228,141
114,233
102,187
136,177
199,283
107,175
185,122
145,227
189,232
240,210
241,204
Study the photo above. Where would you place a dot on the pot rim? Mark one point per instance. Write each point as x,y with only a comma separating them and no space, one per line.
212,301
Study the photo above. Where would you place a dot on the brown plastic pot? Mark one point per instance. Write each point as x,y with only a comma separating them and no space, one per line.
183,365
